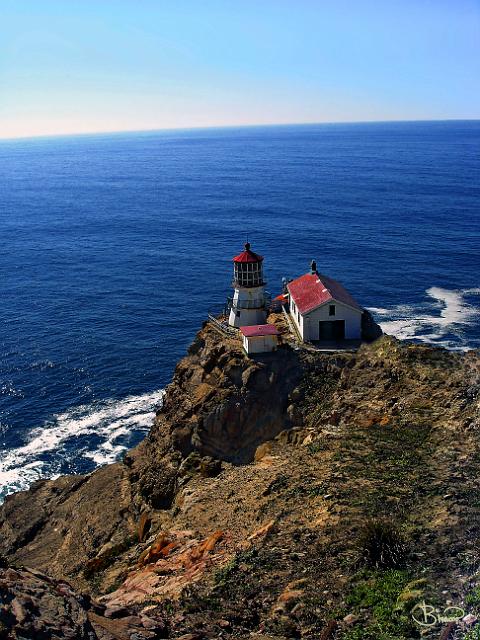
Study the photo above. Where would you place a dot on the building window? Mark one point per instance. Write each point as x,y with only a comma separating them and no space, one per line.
331,310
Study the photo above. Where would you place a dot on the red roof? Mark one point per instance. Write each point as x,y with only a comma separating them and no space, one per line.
247,255
260,330
313,289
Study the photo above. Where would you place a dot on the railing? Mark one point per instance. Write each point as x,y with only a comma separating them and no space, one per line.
223,327
245,284
293,329
249,304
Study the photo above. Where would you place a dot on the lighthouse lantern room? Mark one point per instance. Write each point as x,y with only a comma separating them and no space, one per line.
248,303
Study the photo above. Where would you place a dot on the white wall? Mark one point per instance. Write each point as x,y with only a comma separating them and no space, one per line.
297,318
248,307
260,344
352,317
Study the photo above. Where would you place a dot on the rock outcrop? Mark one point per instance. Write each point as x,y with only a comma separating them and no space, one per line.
35,607
58,526
371,331
284,495
223,404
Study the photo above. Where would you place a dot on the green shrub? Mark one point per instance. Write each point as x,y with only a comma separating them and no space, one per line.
473,598
375,595
473,634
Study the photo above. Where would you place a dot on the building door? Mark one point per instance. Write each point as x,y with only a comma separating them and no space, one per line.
330,330
339,329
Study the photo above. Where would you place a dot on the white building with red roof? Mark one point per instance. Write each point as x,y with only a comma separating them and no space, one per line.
323,309
260,338
248,305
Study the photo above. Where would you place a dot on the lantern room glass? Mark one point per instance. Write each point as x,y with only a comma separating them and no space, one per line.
248,274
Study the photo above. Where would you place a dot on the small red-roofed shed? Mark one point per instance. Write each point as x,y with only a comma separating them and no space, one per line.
260,338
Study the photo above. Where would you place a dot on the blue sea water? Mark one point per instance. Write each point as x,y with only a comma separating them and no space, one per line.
115,247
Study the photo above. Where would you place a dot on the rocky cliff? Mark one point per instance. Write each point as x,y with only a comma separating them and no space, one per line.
292,495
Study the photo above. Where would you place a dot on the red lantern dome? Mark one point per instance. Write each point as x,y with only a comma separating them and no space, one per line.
248,255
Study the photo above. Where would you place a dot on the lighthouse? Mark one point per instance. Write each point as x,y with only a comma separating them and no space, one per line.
248,303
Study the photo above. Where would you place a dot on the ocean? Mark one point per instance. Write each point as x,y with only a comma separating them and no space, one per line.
114,248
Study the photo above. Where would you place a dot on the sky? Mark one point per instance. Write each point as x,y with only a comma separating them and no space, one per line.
77,66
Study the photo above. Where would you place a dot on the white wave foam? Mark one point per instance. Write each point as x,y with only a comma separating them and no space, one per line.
106,422
441,320
7,389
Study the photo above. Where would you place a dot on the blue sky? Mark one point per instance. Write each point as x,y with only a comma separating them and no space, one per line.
105,65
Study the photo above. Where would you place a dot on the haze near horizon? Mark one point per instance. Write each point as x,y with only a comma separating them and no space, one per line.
99,67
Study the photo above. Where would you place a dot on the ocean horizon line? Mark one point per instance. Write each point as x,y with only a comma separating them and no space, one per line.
115,132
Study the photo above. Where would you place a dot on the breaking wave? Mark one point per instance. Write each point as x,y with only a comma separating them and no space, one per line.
441,320
78,440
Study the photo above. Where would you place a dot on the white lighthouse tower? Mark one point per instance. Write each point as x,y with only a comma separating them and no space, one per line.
248,303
